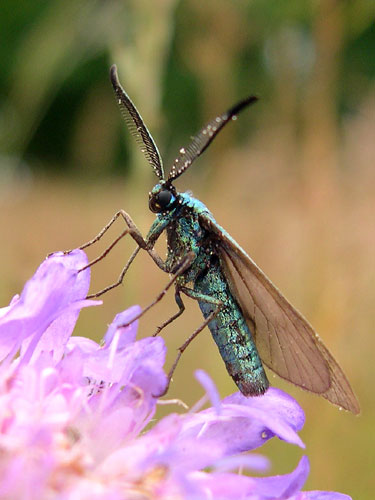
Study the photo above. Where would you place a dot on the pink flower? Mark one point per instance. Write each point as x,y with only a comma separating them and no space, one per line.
73,414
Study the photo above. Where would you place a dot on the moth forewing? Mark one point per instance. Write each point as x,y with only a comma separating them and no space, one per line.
286,342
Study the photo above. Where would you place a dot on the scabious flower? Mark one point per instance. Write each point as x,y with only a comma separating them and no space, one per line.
75,416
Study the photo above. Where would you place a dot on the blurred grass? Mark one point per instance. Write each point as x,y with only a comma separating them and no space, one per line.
292,179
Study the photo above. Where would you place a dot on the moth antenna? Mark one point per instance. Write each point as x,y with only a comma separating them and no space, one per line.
137,126
202,140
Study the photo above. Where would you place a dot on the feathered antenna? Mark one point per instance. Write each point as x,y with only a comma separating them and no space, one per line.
202,140
137,126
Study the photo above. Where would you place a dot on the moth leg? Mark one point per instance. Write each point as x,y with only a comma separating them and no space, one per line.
121,277
134,232
190,293
182,348
136,235
106,251
180,269
181,307
201,297
124,269
204,298
102,232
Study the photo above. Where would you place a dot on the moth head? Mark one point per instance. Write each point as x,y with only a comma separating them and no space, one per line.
163,198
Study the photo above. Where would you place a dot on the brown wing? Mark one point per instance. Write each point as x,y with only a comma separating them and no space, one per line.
285,341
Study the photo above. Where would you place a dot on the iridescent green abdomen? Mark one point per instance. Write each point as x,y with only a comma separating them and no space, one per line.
231,333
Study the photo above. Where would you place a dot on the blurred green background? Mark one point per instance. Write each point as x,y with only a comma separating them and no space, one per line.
292,179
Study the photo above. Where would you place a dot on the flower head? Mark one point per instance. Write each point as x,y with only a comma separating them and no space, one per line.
73,413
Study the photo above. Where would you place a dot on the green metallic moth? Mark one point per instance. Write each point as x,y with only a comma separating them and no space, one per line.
252,323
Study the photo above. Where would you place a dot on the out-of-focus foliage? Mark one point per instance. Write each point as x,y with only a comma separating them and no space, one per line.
292,179
180,61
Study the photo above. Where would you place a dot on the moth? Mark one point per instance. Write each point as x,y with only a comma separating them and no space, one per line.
252,323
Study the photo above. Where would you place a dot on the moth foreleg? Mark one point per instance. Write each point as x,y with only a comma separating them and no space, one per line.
133,231
120,279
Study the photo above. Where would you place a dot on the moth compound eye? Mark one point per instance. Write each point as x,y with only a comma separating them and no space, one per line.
164,198
162,201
